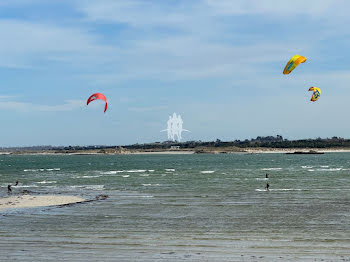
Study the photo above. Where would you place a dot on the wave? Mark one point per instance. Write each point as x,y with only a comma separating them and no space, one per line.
307,167
144,175
329,169
88,176
113,172
151,170
126,176
151,184
272,168
326,169
262,178
279,189
286,189
42,169
46,182
207,171
25,186
142,196
53,169
170,169
94,187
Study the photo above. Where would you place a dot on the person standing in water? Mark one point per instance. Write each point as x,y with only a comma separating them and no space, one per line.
9,190
267,186
267,175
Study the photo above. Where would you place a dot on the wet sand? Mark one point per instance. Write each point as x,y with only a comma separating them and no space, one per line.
23,201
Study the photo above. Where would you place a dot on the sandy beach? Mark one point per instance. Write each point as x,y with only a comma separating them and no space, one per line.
291,150
163,152
23,201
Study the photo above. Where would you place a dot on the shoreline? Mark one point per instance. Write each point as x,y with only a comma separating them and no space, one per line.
192,151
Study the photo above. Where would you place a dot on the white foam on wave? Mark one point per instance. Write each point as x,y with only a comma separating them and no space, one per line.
279,189
207,171
26,186
112,172
170,169
330,169
93,187
272,168
46,182
125,175
151,170
42,169
142,196
262,178
286,189
306,167
311,170
151,184
136,171
89,176
325,166
144,175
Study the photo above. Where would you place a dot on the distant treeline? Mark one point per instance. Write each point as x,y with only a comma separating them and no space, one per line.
267,142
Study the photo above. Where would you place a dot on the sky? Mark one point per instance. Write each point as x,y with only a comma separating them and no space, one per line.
217,63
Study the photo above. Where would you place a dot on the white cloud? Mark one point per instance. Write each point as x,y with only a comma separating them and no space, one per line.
276,8
135,12
194,52
200,45
69,105
25,44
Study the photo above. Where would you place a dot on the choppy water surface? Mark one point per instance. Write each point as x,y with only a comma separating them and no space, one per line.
181,208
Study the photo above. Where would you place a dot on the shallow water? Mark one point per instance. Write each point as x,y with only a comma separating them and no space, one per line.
181,208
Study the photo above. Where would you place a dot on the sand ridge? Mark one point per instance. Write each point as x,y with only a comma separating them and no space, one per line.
23,201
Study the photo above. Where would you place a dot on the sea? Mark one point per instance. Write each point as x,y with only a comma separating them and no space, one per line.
200,207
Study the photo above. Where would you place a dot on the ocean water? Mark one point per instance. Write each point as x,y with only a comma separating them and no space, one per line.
180,208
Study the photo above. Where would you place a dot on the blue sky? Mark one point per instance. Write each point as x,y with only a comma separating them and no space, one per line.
218,63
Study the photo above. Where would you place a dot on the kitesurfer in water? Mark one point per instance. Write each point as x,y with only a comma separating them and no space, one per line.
267,186
16,183
9,190
267,175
